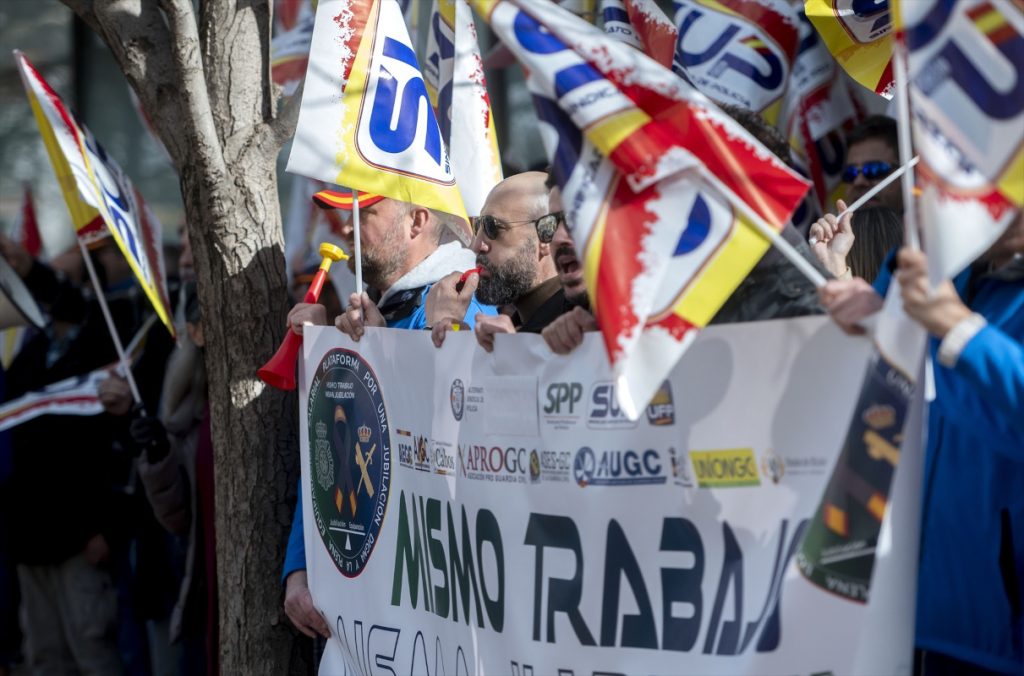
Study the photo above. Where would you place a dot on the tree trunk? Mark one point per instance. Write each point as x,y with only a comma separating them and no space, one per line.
205,84
237,244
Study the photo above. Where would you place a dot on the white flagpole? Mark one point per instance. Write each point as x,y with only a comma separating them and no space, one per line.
357,247
878,188
780,243
121,356
902,77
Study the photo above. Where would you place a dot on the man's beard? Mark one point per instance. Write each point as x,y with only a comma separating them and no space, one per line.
510,281
382,262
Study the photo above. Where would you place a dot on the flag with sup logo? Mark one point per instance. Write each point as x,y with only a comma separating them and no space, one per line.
859,33
738,52
454,74
366,120
966,62
641,24
633,147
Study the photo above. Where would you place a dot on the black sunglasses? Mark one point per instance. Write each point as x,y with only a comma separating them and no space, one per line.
492,227
872,171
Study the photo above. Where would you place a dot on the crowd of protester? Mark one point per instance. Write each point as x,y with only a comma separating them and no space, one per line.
114,546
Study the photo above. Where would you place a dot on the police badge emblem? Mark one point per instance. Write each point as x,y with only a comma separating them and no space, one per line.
351,458
458,398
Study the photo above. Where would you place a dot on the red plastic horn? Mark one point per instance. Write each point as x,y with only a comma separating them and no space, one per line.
279,372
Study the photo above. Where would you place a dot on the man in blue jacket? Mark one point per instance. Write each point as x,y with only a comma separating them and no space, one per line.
969,594
405,250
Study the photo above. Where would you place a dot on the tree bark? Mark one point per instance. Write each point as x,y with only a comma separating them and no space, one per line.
205,86
242,289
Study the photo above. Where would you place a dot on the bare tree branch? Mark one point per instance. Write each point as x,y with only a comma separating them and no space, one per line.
85,11
139,40
185,51
283,126
238,81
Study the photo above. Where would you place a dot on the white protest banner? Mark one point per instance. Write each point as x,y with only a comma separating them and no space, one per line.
496,513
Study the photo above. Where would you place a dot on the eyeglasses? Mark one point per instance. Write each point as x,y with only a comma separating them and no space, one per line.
492,227
872,171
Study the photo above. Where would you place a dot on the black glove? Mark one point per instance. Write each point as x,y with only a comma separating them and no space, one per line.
149,434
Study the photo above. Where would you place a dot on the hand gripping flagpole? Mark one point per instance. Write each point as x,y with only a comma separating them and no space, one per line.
102,299
279,372
878,188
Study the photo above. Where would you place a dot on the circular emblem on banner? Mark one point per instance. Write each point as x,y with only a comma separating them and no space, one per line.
458,397
534,466
350,454
583,466
773,466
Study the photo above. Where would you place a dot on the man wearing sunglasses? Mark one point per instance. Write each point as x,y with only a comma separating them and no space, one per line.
872,154
513,245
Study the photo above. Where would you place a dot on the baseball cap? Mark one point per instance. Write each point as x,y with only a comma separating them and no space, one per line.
338,199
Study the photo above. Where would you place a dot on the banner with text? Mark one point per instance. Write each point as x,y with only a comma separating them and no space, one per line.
468,512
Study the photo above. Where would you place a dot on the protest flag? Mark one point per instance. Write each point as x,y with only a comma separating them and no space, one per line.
641,24
632,148
859,35
366,121
738,52
454,74
966,86
97,191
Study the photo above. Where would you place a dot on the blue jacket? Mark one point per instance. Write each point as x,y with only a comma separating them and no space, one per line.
969,595
295,553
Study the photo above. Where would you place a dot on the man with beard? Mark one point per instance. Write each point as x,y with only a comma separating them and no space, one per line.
774,288
405,250
513,247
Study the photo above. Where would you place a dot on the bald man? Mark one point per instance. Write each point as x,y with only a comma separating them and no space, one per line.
512,243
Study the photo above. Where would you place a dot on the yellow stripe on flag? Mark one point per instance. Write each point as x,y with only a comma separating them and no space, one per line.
82,214
615,129
593,247
990,21
724,272
1011,183
866,62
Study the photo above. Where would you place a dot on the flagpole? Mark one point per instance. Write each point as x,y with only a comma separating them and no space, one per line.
878,188
357,249
902,77
783,245
121,356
